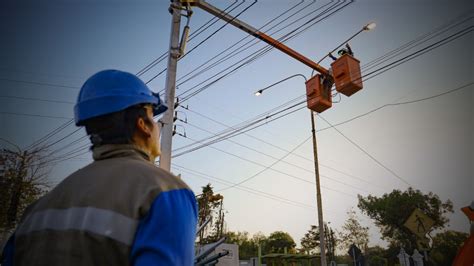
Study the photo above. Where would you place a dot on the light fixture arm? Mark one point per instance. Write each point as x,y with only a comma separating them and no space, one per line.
280,81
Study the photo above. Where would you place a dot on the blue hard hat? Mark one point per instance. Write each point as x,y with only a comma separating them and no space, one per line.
110,91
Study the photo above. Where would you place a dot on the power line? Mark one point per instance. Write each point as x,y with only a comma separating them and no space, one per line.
282,159
71,144
397,104
56,85
371,77
61,139
203,41
420,52
243,128
35,115
420,40
249,59
50,134
244,188
200,30
431,97
36,99
275,170
39,83
247,189
232,50
366,152
280,148
142,71
402,62
288,163
262,52
247,122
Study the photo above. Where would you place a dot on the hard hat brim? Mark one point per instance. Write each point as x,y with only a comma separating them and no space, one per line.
114,103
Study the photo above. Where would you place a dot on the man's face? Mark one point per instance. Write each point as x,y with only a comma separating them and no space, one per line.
154,141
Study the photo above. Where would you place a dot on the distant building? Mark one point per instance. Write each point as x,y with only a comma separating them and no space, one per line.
231,259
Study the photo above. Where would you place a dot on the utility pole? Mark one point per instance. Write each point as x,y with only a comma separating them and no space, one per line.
322,243
167,130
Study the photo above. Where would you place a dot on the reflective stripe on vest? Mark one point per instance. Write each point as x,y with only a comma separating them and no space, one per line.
98,221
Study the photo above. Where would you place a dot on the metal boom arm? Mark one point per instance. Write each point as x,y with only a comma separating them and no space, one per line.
256,33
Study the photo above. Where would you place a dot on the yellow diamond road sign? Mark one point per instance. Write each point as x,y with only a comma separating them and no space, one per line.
419,223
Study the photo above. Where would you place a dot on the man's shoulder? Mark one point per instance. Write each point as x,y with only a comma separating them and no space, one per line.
134,171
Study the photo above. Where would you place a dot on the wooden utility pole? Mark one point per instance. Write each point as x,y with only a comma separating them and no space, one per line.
322,243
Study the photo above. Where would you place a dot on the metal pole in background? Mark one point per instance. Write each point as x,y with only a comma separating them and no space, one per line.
322,243
167,130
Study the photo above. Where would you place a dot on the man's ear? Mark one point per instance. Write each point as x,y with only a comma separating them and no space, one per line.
143,128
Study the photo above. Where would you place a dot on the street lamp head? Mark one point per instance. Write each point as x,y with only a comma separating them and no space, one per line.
258,93
370,26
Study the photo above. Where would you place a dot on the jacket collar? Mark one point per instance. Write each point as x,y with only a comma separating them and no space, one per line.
108,151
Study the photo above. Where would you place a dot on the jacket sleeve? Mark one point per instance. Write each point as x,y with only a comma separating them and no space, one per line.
166,235
8,252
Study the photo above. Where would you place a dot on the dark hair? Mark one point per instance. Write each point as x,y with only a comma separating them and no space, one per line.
115,128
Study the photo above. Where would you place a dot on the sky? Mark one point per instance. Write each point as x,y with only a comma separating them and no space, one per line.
49,48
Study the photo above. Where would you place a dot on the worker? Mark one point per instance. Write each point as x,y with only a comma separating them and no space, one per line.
121,209
465,255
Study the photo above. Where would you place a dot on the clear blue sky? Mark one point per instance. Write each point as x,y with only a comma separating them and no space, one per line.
429,144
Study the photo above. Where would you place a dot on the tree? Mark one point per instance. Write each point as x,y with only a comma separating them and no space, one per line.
375,256
278,241
446,246
248,247
354,233
390,212
310,241
210,207
23,180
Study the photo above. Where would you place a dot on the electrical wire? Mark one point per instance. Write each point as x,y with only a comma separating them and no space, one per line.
391,65
285,162
40,83
280,148
420,40
233,50
35,115
399,103
265,50
252,120
420,52
244,188
61,139
242,129
250,58
200,30
50,134
203,41
366,152
35,99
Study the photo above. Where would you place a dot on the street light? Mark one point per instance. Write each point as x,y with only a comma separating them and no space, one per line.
316,171
259,92
370,26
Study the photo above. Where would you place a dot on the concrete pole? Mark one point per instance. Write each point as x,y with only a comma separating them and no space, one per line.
322,243
167,130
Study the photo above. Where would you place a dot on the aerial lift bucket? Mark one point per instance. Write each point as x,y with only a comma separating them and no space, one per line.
318,97
346,73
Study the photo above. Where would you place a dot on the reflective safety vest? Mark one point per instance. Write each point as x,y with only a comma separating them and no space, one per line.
107,213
